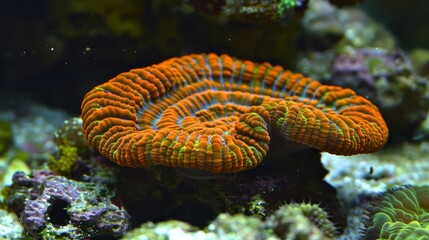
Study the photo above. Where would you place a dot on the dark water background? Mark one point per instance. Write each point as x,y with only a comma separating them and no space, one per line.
54,55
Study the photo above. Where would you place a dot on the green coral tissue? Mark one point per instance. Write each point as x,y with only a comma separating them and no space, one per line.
400,213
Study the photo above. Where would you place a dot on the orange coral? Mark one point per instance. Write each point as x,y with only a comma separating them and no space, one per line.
214,113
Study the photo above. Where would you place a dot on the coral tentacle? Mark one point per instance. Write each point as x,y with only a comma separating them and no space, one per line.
215,113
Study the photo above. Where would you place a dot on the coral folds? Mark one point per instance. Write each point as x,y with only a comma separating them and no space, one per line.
400,213
216,113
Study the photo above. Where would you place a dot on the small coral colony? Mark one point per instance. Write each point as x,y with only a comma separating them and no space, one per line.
218,146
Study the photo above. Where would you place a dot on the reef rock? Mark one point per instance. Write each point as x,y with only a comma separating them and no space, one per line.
52,206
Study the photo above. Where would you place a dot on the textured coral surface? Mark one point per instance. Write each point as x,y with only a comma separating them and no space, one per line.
215,113
400,213
54,207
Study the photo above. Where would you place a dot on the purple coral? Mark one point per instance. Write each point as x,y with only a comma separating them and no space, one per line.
85,209
387,78
360,68
33,216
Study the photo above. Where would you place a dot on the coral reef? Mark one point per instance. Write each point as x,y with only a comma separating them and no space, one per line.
259,11
329,31
262,11
357,178
187,124
25,136
34,135
387,78
71,144
329,28
166,230
400,213
196,199
71,134
10,228
74,45
11,160
33,126
238,226
296,221
368,174
362,55
301,221
52,206
361,68
66,162
224,226
75,159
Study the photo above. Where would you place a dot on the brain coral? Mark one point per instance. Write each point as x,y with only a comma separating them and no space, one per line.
216,113
401,213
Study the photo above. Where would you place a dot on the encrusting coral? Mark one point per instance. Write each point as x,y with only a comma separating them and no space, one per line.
400,213
214,113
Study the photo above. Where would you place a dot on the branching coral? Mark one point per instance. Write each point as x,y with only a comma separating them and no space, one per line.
401,213
214,113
